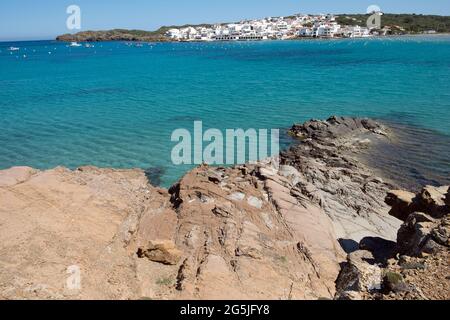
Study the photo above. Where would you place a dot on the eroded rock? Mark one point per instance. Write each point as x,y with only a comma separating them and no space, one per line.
254,231
163,251
359,274
331,175
400,201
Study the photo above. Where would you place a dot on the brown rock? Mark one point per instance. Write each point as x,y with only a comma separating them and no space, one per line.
400,201
247,246
250,232
15,175
432,200
413,233
57,221
359,274
423,234
163,251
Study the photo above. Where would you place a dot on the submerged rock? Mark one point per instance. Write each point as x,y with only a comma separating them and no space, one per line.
155,175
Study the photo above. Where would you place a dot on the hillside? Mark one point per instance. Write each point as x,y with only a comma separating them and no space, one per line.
411,23
114,35
122,34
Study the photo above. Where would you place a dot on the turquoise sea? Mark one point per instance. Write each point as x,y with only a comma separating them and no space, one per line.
116,105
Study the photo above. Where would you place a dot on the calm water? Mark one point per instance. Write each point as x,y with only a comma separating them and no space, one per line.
116,106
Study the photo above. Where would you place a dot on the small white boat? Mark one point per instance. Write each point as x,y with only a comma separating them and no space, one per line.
88,45
13,49
75,44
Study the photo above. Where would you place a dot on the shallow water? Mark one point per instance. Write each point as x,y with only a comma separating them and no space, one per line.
413,157
116,105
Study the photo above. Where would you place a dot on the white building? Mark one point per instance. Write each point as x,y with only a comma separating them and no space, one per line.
323,26
173,33
305,32
355,32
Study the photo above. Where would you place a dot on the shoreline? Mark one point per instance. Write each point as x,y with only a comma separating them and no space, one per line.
400,158
253,231
266,40
375,157
269,40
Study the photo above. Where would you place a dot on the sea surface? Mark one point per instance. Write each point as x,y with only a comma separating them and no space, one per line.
116,105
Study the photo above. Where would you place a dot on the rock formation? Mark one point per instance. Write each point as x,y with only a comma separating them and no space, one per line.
419,267
270,230
242,236
332,176
52,220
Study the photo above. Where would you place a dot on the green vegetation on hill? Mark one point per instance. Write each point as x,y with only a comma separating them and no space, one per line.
410,23
115,34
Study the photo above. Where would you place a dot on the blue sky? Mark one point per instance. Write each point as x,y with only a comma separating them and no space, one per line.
44,19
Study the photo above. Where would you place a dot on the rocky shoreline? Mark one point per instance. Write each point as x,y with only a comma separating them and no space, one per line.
417,266
319,226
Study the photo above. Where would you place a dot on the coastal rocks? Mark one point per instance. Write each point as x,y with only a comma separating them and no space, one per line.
400,201
242,235
15,176
248,242
331,175
163,251
417,267
56,221
335,127
426,218
414,235
256,231
358,274
255,202
421,234
430,199
381,249
237,196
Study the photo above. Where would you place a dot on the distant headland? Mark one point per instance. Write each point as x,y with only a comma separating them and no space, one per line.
279,28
